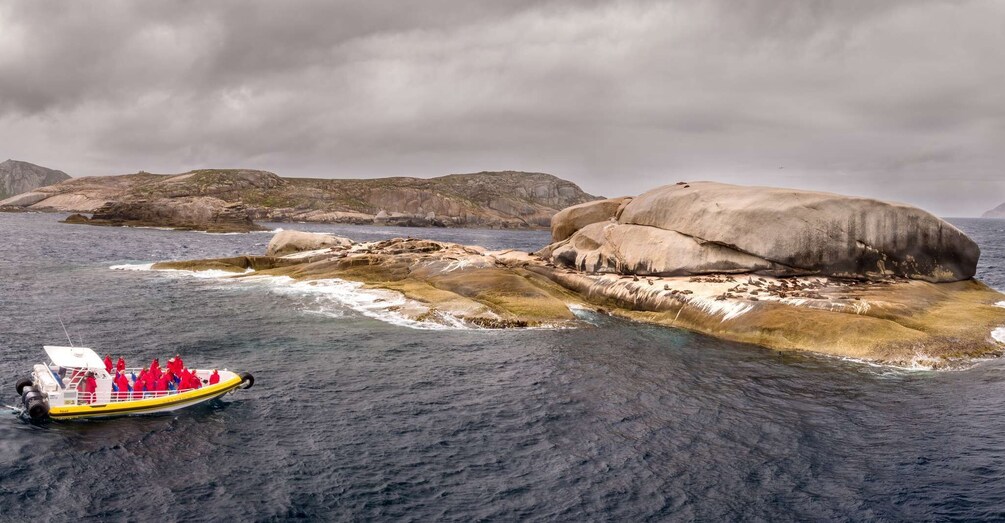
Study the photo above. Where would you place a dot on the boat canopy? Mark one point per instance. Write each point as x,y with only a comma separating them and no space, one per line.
81,357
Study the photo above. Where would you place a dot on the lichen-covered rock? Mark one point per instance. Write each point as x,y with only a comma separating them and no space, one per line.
289,242
705,227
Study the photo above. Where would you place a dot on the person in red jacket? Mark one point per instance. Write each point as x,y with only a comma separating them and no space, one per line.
214,378
195,381
120,365
125,384
178,362
155,368
139,387
108,363
160,385
122,382
90,387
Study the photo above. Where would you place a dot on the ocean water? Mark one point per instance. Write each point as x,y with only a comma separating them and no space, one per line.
357,416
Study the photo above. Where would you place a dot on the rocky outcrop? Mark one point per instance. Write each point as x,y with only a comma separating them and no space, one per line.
571,219
21,177
202,213
705,227
289,242
897,321
997,212
487,199
442,282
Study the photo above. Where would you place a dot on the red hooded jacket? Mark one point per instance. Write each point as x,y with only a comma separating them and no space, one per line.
90,387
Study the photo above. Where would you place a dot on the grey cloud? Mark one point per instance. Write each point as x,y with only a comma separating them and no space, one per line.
897,99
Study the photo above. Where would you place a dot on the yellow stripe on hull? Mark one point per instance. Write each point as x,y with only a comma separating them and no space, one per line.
146,405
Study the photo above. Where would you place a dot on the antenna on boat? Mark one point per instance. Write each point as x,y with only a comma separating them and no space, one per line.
64,329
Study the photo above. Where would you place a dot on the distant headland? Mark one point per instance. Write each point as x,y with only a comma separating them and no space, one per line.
17,177
997,212
226,200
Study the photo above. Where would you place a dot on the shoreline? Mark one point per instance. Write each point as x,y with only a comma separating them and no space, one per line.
904,323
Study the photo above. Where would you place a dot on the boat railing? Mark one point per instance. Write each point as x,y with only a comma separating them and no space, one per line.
76,397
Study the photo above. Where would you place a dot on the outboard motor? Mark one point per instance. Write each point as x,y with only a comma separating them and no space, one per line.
35,403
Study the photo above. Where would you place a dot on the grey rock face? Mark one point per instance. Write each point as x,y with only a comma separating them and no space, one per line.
706,227
21,177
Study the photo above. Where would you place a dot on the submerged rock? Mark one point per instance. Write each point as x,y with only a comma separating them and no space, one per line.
706,227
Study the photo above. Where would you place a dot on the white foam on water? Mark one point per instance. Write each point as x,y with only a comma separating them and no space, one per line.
999,335
334,296
153,228
208,274
917,364
132,267
331,297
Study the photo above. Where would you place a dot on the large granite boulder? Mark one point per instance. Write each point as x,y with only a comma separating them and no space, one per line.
707,227
571,219
290,242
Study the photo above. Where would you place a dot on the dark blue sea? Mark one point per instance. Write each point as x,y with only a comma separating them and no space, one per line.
355,417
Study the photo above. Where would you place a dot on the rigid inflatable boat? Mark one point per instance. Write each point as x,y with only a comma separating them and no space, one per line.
56,390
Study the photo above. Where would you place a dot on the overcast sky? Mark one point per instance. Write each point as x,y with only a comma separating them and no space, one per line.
901,100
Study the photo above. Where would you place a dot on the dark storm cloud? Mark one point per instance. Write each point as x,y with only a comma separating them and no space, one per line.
900,100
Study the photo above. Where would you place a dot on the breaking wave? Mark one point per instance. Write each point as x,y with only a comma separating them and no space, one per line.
329,297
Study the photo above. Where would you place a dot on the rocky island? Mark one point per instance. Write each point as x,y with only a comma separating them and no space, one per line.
779,268
225,200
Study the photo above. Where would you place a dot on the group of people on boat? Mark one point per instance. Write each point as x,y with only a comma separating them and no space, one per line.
151,381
